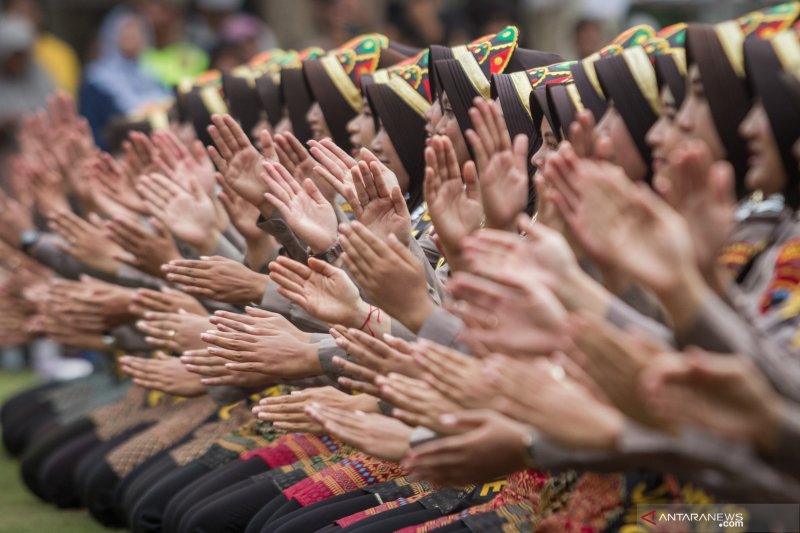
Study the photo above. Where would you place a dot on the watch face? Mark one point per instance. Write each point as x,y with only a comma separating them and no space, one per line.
28,237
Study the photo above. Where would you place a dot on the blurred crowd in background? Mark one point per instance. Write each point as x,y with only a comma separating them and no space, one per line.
115,55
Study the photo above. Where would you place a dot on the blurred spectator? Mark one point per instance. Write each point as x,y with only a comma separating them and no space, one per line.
421,22
219,23
54,55
589,36
24,85
172,57
116,83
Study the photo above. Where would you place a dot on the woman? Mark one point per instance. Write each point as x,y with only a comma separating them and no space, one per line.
116,83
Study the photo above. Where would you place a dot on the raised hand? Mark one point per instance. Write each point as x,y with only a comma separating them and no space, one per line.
188,214
90,304
189,165
14,219
174,331
378,202
263,342
145,250
165,301
242,214
415,403
48,190
540,394
615,361
510,319
381,356
389,274
378,435
703,193
454,206
335,167
305,210
288,412
117,182
485,445
299,163
162,373
502,166
87,242
456,375
724,393
217,278
214,373
324,291
238,160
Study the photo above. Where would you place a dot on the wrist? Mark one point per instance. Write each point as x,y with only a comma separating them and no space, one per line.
418,315
257,287
767,434
360,315
578,291
209,245
683,297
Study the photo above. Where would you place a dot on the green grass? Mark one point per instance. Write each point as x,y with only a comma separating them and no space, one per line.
20,511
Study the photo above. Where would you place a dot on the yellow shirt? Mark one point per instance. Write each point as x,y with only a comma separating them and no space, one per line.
59,60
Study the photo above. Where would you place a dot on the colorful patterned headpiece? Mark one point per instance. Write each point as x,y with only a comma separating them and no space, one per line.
410,80
525,82
486,56
584,72
345,65
769,21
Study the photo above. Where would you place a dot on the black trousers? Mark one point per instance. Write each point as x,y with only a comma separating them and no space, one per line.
212,483
42,449
55,477
17,431
320,514
135,483
147,515
231,510
398,518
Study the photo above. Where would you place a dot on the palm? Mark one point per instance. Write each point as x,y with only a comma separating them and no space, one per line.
244,175
380,216
331,297
458,214
312,221
504,190
188,217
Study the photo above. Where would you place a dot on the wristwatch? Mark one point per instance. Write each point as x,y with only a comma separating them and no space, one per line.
28,238
330,255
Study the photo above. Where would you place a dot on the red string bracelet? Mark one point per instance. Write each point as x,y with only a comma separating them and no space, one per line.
372,310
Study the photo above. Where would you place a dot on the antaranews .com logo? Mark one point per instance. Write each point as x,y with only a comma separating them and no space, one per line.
718,518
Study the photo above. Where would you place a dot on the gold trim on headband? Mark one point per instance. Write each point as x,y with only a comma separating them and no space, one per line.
732,41
575,97
787,48
639,65
158,120
381,76
213,101
679,56
244,72
342,81
416,101
473,71
591,73
522,86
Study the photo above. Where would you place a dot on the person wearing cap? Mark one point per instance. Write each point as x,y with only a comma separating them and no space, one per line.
24,86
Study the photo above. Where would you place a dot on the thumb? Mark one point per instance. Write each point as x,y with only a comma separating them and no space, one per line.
321,267
161,355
